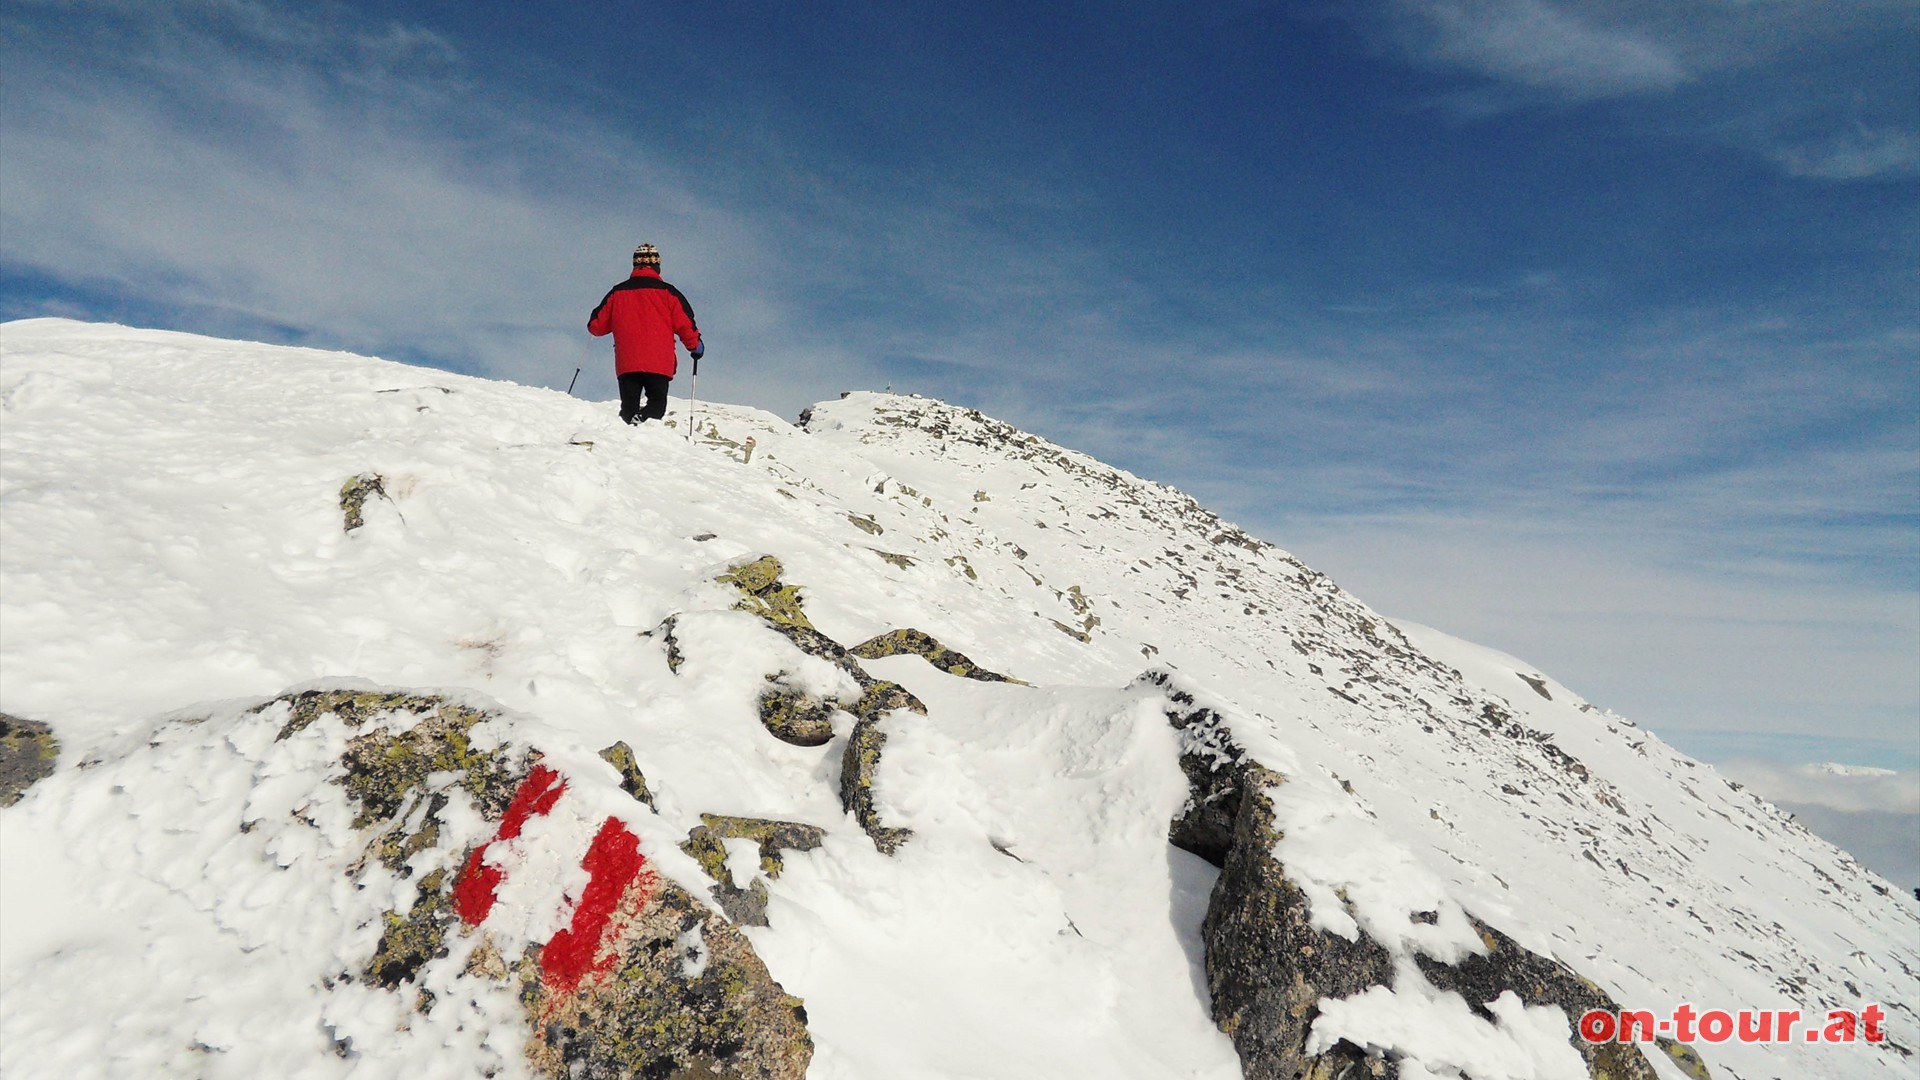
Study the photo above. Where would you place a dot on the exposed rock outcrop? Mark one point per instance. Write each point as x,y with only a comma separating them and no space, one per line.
28,751
632,780
911,642
354,495
778,604
706,843
645,981
1269,969
793,715
685,998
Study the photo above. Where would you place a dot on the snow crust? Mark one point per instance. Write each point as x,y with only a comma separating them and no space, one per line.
172,550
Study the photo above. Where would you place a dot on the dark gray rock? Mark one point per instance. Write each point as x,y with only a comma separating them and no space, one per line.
1213,763
1268,968
746,907
1537,980
28,752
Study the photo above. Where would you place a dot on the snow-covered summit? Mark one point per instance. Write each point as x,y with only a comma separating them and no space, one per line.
175,555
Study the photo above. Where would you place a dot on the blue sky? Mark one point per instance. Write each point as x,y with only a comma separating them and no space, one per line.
1584,330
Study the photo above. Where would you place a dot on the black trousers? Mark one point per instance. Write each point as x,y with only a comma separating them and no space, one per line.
655,386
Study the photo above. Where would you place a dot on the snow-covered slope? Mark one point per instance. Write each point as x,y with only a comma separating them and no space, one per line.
173,549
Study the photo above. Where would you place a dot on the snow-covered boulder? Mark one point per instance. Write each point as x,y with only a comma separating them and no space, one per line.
424,875
1300,972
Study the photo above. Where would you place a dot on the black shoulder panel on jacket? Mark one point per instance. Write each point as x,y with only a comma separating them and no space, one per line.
648,283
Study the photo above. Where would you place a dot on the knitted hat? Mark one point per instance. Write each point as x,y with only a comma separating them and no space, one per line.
646,255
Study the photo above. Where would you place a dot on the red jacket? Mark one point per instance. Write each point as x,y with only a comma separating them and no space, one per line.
643,313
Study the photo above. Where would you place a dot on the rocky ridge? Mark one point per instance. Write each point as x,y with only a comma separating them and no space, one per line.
663,767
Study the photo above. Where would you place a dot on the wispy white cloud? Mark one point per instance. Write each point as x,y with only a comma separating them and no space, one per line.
1860,154
1541,45
1834,785
352,185
1794,81
1676,648
1715,534
1874,814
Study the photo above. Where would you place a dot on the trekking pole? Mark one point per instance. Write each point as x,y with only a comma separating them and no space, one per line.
570,382
693,398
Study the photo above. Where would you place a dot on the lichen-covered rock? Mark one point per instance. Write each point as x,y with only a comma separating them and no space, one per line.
1686,1057
857,772
387,770
28,751
1077,635
794,716
894,558
1212,762
409,941
1537,980
644,981
387,776
632,780
706,844
779,606
764,594
1268,968
686,999
354,495
911,642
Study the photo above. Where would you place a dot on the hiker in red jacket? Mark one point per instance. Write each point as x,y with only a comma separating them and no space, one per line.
644,313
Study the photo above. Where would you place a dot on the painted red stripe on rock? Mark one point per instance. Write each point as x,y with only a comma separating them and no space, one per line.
474,893
615,863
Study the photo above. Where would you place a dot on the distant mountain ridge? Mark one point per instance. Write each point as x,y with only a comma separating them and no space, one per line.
176,512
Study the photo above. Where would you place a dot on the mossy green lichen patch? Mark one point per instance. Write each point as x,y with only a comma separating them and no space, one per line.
354,495
858,770
28,751
409,941
911,642
1686,1057
388,766
706,844
632,780
764,594
794,716
384,768
687,999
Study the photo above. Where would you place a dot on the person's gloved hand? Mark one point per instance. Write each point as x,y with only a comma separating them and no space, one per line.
698,351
